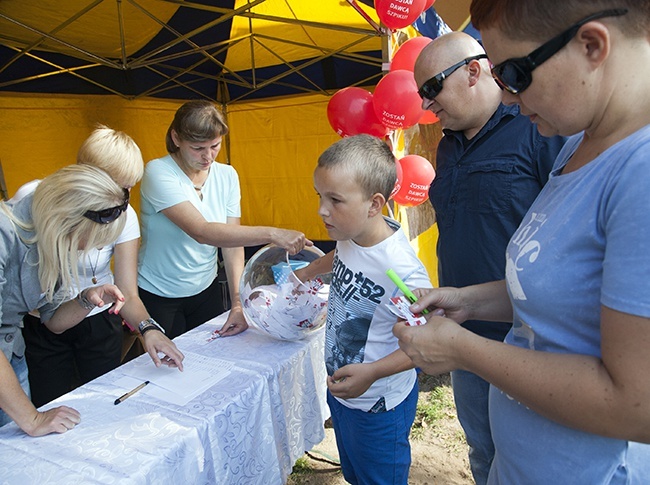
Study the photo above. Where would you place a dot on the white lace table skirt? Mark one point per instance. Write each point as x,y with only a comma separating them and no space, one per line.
249,428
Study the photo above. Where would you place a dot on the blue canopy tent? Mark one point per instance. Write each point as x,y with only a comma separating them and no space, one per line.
223,50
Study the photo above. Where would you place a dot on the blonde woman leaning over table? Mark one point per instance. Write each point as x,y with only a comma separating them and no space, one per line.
190,208
59,358
570,394
42,238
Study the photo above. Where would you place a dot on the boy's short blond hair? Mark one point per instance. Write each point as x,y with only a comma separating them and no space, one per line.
366,158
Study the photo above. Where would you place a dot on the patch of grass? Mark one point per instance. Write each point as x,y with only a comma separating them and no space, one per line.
309,472
433,406
301,466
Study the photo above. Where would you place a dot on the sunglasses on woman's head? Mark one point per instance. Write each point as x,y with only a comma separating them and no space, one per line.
515,75
432,87
106,216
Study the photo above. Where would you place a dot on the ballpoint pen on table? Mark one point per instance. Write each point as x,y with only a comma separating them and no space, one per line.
130,393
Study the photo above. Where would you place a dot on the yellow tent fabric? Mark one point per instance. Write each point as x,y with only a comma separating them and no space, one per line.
297,41
96,27
40,134
274,146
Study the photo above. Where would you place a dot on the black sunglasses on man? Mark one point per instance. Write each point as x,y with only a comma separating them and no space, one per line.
432,87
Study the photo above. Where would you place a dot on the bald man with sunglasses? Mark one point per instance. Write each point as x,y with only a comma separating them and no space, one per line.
491,163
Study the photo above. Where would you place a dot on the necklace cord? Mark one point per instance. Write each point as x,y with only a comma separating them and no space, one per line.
94,268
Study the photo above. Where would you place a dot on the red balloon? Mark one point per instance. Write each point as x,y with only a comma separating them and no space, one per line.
417,176
397,14
396,100
428,118
398,181
408,52
428,4
350,111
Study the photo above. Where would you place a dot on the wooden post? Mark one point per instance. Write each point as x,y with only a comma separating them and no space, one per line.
3,184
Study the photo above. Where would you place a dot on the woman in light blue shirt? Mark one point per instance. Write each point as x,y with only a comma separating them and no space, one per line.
190,207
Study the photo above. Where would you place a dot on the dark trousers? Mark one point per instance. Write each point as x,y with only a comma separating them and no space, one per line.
178,315
58,363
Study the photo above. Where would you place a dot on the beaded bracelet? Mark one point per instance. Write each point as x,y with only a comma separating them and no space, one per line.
84,302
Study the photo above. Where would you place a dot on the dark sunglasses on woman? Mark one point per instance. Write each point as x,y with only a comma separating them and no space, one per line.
106,216
515,75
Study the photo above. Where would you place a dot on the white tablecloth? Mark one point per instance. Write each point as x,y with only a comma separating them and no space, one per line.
249,428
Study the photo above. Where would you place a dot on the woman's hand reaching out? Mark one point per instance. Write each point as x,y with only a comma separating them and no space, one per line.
291,241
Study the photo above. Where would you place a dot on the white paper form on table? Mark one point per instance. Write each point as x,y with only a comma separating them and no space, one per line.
169,384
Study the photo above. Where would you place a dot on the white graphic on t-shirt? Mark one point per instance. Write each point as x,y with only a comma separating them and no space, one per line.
524,332
352,303
527,248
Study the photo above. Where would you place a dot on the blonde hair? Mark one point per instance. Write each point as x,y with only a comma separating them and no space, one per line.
115,152
62,233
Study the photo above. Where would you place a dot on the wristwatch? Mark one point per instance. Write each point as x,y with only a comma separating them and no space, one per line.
149,324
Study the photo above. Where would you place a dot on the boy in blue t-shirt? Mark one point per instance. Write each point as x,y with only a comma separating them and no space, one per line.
372,384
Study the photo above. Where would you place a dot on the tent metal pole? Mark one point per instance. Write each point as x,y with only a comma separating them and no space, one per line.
83,52
59,27
380,30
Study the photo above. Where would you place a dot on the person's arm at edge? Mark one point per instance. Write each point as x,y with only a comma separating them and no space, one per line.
487,301
70,313
125,264
320,266
15,403
233,261
190,220
606,396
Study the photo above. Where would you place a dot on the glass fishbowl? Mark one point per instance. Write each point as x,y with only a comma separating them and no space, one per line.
275,301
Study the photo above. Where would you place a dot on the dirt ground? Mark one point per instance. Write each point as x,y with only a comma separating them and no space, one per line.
438,447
